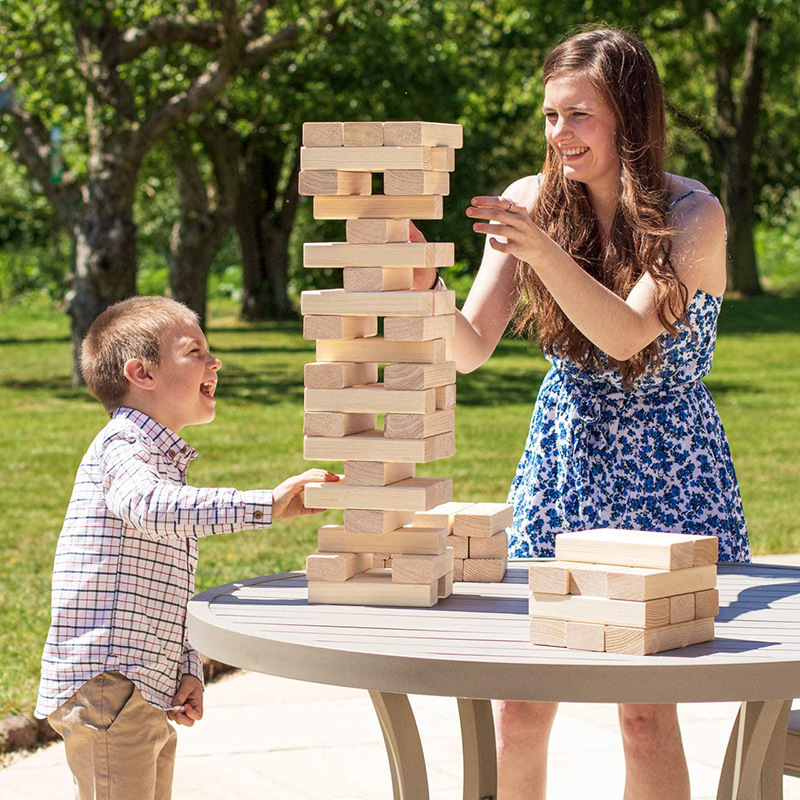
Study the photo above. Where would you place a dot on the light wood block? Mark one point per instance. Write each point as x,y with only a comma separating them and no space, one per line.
393,254
548,577
333,182
410,494
411,181
336,566
458,569
324,423
362,134
359,520
637,583
377,349
631,548
371,399
377,159
323,134
706,603
377,473
374,588
419,329
485,570
421,569
706,549
419,426
441,517
373,445
372,279
446,585
419,376
377,231
589,579
586,636
422,541
550,632
495,546
446,396
639,642
338,376
579,608
378,206
483,519
681,608
338,327
367,304
433,134
457,544
381,560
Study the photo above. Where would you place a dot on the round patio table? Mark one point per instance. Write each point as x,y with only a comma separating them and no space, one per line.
475,646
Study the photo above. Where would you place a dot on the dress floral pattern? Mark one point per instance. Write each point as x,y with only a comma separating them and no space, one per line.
651,458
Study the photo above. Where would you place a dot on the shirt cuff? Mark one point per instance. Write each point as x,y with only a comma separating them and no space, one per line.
257,508
192,663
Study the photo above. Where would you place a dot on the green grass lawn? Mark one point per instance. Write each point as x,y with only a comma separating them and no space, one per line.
256,441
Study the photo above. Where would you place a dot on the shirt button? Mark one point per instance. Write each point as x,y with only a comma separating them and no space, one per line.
257,515
172,454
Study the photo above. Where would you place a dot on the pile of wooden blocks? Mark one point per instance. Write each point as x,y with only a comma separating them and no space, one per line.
619,591
379,493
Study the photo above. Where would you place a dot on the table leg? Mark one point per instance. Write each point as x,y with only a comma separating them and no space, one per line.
400,734
754,748
480,756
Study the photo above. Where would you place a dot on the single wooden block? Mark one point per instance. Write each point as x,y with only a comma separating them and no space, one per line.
419,426
586,636
706,603
336,566
550,632
377,349
548,577
377,231
360,520
580,608
338,376
628,548
483,519
324,423
419,329
323,134
446,585
458,569
372,279
419,376
367,304
446,396
432,134
370,399
338,327
379,206
495,546
412,181
458,544
374,588
362,134
642,642
373,445
681,608
422,541
640,583
706,549
333,182
394,254
589,579
485,570
377,159
378,473
441,517
381,560
410,494
421,569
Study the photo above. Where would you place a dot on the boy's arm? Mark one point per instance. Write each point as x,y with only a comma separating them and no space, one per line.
139,495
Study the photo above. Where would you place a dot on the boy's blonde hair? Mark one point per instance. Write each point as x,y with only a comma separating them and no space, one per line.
132,328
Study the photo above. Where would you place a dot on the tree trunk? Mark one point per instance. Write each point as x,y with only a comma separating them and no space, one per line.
737,197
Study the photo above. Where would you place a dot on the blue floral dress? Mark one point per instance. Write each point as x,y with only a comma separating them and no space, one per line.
651,458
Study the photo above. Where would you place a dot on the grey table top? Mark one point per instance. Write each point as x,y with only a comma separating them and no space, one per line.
476,643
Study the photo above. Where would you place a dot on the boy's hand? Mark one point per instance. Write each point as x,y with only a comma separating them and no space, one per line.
190,696
287,497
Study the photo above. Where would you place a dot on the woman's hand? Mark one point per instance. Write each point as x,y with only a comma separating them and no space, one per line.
425,277
520,237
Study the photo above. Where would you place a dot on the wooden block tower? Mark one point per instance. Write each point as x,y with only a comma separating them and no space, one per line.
343,397
619,591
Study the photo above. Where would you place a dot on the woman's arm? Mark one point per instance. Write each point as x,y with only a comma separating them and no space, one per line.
619,327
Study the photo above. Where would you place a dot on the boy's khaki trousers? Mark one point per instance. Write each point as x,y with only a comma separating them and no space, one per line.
119,747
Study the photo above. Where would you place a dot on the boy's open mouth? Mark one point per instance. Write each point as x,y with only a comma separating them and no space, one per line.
208,388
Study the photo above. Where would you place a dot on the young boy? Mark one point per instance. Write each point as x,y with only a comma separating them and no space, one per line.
116,663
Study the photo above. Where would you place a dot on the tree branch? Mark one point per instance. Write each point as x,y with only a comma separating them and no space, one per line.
253,20
752,79
167,30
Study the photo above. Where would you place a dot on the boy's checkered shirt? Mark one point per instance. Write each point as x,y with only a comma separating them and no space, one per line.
125,562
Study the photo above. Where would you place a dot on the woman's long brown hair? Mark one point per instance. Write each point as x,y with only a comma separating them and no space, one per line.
622,70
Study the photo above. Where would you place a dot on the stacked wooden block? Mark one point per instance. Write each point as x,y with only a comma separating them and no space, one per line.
636,592
379,492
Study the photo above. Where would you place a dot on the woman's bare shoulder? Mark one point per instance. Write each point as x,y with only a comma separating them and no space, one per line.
524,191
679,185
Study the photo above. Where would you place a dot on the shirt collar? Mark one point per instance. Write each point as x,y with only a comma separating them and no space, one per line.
169,443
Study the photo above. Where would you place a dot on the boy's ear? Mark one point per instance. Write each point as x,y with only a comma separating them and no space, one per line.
139,373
